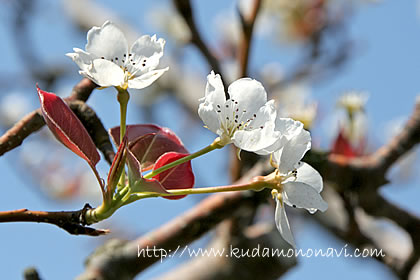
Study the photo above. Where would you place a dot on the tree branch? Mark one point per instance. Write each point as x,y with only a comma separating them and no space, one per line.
71,221
185,10
247,22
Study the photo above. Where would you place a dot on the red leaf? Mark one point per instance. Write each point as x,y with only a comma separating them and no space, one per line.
148,148
137,130
137,182
68,129
117,167
148,142
342,146
178,177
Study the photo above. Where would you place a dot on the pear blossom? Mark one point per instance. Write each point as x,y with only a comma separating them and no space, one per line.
298,184
353,101
108,61
245,119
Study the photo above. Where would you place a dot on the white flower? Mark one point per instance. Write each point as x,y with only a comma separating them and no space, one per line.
246,119
299,184
353,101
107,60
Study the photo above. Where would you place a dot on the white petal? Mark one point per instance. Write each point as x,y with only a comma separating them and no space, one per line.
81,58
105,73
146,79
285,128
258,138
250,95
215,92
107,41
308,175
293,151
208,114
282,224
301,195
147,50
289,127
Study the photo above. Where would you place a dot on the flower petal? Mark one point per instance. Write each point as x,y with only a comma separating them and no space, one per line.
263,134
209,116
282,224
250,95
213,103
148,51
293,151
285,128
104,73
301,195
81,58
289,127
146,79
310,176
106,41
215,92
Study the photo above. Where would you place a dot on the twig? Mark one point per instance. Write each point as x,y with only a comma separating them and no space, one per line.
376,205
71,221
247,22
185,10
387,155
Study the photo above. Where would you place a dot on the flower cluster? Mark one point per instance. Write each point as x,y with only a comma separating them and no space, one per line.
241,116
245,118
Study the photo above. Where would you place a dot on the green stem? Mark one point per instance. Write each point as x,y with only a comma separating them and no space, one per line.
215,145
122,97
256,185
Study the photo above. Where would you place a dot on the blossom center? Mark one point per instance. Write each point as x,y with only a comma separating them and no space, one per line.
232,118
130,64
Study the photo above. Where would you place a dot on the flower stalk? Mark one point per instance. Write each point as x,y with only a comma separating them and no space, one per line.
215,145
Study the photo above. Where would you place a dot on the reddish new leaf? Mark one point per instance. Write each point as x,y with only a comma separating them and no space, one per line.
148,148
137,182
117,167
342,146
178,177
148,142
67,128
137,130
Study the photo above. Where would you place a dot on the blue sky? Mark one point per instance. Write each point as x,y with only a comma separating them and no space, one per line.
385,63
